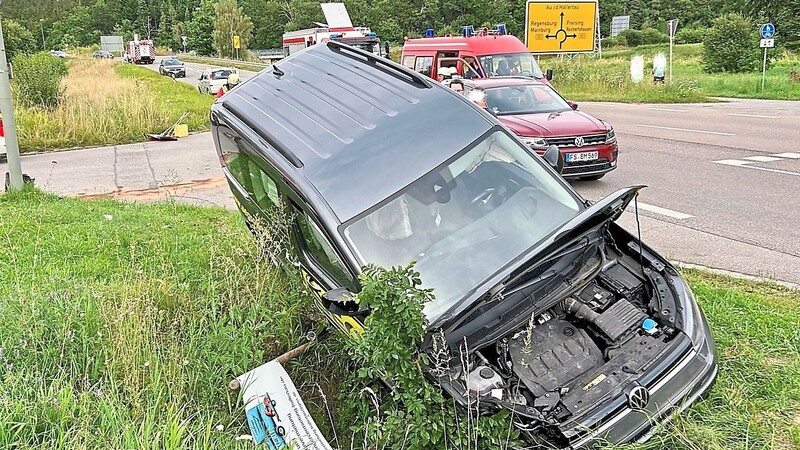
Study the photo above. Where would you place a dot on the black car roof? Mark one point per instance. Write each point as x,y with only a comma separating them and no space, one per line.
358,127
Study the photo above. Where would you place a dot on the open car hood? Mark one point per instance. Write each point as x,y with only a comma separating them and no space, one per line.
607,208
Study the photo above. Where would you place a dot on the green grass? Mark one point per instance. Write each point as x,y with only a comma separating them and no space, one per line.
108,103
608,79
123,323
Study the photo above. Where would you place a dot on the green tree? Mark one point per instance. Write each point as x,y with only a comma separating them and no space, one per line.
731,45
19,40
200,31
75,29
231,21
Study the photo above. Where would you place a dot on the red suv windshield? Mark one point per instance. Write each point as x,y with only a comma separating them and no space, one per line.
520,64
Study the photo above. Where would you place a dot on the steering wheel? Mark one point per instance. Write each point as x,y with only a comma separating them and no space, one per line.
483,198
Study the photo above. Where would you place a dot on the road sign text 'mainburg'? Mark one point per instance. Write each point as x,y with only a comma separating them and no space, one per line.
560,26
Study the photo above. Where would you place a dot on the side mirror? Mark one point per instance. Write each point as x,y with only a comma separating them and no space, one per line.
572,105
554,157
549,74
342,302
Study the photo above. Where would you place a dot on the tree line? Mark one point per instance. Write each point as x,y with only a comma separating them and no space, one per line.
208,24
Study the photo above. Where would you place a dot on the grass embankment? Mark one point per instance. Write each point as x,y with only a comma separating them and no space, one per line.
591,79
122,325
108,103
241,65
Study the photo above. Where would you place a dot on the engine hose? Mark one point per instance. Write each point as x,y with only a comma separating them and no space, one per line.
579,310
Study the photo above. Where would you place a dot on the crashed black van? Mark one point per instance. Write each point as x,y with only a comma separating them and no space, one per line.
379,164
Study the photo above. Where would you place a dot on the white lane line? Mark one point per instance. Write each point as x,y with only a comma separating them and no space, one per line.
733,162
788,155
719,133
759,116
762,158
668,109
663,211
771,170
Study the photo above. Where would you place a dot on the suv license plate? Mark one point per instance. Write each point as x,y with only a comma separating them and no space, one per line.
585,156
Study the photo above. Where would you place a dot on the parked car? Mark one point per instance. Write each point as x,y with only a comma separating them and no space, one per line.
376,163
211,80
102,54
536,113
172,67
60,54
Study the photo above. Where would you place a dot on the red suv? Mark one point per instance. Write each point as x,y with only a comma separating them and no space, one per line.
541,117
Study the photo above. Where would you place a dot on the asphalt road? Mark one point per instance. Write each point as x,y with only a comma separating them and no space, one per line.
193,71
722,178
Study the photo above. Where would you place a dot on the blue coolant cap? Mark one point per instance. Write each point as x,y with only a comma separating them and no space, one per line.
648,324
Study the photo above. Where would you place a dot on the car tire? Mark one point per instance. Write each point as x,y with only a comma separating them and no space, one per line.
592,177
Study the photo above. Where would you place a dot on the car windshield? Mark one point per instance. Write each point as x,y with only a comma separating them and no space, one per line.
172,62
524,99
466,220
510,65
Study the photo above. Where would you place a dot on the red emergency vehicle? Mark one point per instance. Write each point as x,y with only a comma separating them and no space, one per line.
338,28
482,54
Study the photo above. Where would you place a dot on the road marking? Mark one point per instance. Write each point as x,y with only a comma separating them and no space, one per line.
664,211
772,170
733,162
668,109
719,133
760,116
762,158
788,155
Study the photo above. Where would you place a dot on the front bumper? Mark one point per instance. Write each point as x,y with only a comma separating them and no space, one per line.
175,73
606,161
682,385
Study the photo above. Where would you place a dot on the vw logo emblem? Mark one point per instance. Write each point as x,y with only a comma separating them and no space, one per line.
638,397
579,141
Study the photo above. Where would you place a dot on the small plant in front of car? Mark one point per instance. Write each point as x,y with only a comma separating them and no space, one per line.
413,413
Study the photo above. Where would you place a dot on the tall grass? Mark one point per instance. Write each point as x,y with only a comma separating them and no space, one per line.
608,79
106,103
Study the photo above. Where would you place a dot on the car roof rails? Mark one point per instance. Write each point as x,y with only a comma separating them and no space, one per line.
388,65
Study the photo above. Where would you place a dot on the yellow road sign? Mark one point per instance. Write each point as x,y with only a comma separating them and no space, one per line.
560,26
237,42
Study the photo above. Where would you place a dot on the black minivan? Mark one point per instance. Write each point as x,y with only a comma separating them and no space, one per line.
380,164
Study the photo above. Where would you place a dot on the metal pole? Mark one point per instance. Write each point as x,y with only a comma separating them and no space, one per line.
670,57
41,25
764,71
9,124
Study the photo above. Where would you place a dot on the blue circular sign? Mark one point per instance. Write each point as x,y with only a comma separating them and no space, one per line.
767,31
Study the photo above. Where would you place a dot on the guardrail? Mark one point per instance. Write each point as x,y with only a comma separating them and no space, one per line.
230,62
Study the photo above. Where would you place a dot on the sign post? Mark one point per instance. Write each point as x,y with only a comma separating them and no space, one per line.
183,41
237,44
10,126
553,26
767,41
672,26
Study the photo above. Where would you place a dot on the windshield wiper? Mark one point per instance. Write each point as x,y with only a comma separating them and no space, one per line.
520,281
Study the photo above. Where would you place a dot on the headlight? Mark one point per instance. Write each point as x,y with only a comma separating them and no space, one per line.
535,143
611,137
694,323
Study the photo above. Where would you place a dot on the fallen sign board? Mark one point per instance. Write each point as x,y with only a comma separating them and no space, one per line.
560,26
277,416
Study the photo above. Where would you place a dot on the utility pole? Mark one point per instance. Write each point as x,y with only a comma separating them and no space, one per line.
9,124
41,25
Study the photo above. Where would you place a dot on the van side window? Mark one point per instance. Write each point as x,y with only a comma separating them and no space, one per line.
408,61
321,251
423,65
257,183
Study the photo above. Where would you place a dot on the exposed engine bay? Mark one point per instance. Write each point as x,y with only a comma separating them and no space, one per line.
573,354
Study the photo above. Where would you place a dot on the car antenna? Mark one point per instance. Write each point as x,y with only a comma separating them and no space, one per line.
638,230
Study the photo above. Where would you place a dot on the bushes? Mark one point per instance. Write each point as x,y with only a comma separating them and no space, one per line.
731,45
690,35
38,79
635,38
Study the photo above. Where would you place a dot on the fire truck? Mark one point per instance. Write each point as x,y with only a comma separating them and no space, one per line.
140,52
338,28
476,53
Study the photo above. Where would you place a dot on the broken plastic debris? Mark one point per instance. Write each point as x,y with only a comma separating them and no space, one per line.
108,216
